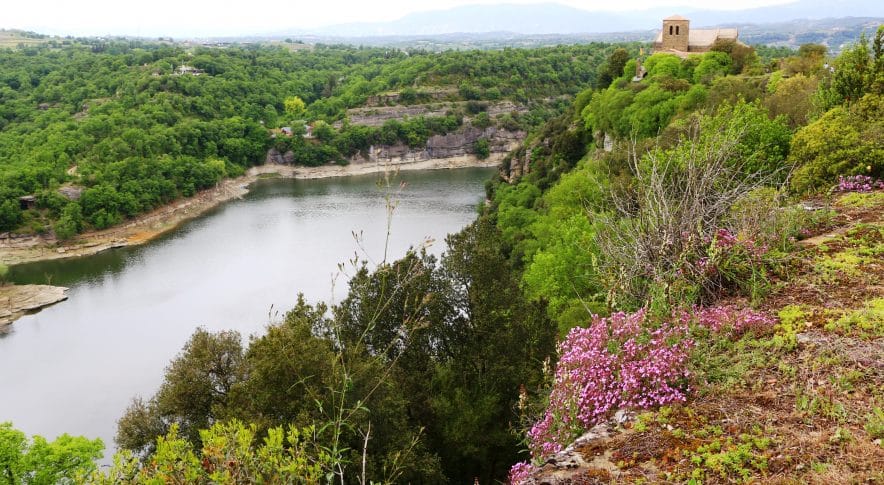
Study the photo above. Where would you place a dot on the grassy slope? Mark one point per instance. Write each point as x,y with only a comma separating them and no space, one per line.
14,38
802,404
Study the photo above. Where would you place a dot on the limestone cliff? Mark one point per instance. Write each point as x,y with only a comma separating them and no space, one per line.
452,145
378,115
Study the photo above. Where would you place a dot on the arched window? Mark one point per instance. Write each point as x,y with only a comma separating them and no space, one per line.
676,30
670,30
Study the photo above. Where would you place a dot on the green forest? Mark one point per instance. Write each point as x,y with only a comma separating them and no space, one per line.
650,253
137,125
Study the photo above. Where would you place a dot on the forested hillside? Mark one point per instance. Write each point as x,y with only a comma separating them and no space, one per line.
132,125
699,249
721,218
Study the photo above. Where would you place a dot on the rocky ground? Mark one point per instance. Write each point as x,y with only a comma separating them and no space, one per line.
803,403
17,301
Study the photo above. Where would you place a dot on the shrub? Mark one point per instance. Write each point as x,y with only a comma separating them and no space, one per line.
673,218
482,149
617,362
232,453
844,141
10,215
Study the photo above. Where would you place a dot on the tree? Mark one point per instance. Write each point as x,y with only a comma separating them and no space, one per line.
613,67
41,462
743,57
844,141
196,391
294,106
290,369
495,344
70,223
713,65
793,98
482,149
662,63
10,215
809,61
858,69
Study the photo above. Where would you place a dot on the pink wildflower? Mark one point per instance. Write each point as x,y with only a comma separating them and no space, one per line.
736,320
520,472
858,183
614,363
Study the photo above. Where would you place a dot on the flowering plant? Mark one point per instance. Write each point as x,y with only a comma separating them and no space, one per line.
858,183
737,321
617,362
520,472
626,360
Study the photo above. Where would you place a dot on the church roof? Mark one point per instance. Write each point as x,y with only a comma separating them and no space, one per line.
705,37
675,17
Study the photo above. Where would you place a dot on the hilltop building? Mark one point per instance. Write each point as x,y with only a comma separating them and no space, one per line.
678,38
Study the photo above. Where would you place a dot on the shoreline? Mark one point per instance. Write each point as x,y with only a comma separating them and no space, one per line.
151,225
17,301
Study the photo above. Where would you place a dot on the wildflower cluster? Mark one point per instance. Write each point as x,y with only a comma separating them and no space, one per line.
625,361
730,318
858,183
617,362
520,472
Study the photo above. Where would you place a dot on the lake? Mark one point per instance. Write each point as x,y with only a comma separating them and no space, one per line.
75,366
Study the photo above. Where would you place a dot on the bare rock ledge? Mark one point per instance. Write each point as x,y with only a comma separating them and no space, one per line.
19,300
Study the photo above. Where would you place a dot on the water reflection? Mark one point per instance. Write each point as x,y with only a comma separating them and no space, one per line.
73,367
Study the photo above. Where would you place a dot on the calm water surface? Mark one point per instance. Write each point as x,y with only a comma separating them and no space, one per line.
75,366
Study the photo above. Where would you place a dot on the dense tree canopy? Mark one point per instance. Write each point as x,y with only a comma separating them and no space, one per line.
141,124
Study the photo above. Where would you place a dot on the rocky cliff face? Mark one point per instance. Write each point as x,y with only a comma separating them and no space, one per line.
519,165
275,157
452,145
378,115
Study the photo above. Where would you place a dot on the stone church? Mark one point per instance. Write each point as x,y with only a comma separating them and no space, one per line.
678,38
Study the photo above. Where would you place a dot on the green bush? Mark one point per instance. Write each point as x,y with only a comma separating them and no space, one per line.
844,141
482,149
41,462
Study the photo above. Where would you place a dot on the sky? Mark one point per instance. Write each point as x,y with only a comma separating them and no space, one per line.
195,18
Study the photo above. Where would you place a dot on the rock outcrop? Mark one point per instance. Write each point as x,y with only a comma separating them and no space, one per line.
452,145
274,157
439,147
586,460
19,300
519,165
377,116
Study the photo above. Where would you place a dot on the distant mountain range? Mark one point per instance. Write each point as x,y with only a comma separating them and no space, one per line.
551,18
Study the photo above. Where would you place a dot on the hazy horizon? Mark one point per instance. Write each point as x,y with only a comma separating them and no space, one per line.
201,18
